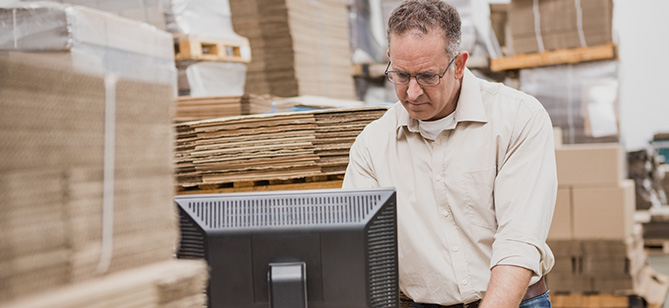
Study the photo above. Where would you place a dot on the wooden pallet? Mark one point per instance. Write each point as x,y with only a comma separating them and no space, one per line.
660,245
585,300
193,47
560,56
312,182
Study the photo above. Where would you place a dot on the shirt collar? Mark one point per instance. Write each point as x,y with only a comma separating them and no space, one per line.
469,109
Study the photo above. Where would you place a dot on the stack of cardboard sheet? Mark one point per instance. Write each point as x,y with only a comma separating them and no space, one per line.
336,133
172,283
269,147
256,104
252,148
148,11
537,26
89,40
86,175
299,47
202,108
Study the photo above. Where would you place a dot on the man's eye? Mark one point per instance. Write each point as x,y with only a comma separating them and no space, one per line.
427,76
402,75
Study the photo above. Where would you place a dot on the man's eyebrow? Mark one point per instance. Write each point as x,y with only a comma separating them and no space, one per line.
419,73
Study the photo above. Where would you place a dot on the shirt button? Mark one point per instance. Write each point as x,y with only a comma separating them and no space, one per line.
445,213
456,248
465,282
438,178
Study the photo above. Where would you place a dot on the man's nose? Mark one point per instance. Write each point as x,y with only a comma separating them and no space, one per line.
414,90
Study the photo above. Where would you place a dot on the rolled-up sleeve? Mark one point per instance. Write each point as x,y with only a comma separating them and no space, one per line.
524,194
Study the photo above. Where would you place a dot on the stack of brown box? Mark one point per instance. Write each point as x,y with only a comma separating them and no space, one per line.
299,47
560,24
87,185
597,246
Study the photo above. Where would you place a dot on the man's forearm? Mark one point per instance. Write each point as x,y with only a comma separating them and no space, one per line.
507,286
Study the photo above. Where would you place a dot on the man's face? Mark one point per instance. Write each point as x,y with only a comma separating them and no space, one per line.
414,53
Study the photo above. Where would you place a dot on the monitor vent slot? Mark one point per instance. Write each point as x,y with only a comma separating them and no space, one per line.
382,262
191,243
284,211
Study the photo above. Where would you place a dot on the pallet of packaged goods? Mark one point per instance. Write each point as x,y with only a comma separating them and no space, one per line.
269,151
552,32
200,48
77,205
555,57
647,289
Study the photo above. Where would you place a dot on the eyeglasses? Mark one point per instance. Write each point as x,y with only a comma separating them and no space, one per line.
423,79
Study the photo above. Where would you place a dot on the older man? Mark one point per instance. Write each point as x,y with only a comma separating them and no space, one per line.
473,163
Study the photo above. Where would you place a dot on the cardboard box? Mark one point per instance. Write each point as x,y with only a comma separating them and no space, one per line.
566,248
611,285
568,283
590,165
561,226
559,25
604,212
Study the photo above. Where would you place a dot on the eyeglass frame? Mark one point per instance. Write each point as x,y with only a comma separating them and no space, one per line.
416,76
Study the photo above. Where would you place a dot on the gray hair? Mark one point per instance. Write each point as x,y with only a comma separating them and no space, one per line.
424,15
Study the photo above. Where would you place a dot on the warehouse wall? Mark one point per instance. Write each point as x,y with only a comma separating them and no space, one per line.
643,32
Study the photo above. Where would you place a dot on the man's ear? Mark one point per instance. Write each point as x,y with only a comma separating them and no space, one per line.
460,63
388,53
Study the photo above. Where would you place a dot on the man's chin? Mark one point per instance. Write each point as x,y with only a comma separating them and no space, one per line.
417,111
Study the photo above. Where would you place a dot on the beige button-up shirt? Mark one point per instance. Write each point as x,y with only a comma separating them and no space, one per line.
481,194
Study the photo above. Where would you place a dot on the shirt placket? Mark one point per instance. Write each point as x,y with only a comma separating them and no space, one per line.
452,233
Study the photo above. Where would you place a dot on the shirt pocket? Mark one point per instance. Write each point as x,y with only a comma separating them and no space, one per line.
478,196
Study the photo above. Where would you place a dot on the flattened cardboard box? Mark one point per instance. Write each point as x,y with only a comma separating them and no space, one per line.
52,160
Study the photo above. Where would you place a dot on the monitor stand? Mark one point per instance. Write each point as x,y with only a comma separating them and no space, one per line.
287,285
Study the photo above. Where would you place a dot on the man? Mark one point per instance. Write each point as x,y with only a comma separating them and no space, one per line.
473,164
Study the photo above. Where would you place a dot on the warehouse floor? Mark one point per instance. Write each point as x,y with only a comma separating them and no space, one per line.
660,262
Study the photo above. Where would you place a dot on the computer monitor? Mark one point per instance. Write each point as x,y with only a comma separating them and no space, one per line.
330,248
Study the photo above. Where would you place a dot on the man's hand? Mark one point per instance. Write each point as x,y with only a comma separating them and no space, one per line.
507,286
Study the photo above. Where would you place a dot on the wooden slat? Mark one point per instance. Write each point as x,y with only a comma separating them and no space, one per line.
191,47
561,56
589,300
250,186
